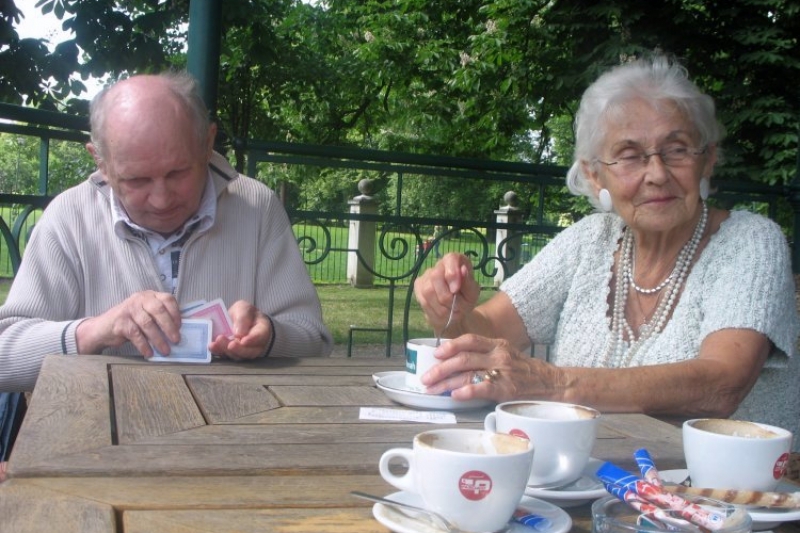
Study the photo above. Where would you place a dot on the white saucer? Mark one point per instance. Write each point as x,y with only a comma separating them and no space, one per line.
763,518
560,522
584,490
393,384
378,375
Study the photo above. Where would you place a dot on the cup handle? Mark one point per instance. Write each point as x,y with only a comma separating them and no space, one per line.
490,422
404,482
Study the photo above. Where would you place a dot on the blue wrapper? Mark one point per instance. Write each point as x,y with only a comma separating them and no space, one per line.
646,466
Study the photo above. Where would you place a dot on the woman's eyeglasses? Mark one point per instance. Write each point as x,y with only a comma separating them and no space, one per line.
672,157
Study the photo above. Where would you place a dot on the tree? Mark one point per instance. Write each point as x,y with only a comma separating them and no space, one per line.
27,67
497,79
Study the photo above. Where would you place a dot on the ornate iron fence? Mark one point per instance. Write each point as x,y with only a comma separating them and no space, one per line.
403,244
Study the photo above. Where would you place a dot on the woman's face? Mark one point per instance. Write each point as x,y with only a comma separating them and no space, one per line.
650,195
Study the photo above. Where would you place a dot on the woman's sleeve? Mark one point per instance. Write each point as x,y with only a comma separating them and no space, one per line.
752,287
538,291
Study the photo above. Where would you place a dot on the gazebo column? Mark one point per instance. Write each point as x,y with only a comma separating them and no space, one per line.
204,48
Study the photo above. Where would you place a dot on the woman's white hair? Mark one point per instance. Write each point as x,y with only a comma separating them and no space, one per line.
657,80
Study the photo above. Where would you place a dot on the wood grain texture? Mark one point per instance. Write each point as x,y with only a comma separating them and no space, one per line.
287,520
262,460
150,403
51,511
69,412
224,399
326,434
270,445
328,395
215,492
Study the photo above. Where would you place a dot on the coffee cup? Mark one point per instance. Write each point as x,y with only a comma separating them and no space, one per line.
419,359
563,436
735,454
473,478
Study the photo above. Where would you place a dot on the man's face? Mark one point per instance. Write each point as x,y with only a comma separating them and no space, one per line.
156,166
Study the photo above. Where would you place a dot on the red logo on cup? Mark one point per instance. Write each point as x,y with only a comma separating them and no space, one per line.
780,466
519,433
475,485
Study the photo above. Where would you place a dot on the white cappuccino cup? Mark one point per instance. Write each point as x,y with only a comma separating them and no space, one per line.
473,478
562,434
735,454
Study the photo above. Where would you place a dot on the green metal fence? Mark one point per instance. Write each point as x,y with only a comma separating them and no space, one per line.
404,248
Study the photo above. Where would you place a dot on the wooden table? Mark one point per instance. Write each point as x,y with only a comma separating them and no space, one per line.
114,444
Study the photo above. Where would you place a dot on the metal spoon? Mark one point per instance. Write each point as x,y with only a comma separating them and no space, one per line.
447,325
435,519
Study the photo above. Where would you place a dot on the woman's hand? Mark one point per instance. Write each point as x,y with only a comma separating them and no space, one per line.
434,290
506,374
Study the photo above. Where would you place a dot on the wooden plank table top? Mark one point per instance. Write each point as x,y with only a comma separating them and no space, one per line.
114,444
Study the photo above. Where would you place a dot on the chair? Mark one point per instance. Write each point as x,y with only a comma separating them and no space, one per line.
12,411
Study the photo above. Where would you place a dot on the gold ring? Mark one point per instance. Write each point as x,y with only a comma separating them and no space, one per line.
491,375
477,378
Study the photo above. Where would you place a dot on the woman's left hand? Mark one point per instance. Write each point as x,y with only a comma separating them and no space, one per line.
479,367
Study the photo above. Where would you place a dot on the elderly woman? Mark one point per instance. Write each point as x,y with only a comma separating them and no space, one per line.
659,303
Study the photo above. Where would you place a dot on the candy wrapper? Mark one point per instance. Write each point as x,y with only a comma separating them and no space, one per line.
650,512
629,487
647,467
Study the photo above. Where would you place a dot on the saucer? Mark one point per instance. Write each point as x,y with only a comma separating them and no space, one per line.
584,490
376,376
560,522
393,384
763,518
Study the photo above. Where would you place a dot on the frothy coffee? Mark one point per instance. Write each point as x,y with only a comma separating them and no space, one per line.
735,428
551,412
490,444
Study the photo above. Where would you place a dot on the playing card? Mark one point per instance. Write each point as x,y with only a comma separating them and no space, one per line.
193,346
217,313
191,305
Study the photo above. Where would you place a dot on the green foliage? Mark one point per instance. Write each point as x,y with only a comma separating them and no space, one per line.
496,79
19,168
68,165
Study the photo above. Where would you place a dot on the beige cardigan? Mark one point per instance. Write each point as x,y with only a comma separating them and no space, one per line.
75,266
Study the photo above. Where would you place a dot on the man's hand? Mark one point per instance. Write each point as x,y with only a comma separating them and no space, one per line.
252,333
144,318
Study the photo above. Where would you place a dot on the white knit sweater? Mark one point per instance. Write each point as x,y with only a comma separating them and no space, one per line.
742,279
75,266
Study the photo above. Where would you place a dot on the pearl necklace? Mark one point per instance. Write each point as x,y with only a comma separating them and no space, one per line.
618,352
657,288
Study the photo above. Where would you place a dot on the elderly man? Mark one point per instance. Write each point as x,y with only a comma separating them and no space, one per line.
164,221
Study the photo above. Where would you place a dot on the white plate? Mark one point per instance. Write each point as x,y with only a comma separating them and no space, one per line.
586,489
560,522
763,518
394,386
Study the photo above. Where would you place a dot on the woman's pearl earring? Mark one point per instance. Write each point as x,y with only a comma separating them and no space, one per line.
705,188
604,197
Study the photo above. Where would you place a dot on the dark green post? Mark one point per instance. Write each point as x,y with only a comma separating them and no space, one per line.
204,45
794,201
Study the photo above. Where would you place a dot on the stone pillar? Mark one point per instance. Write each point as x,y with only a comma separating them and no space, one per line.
510,250
362,237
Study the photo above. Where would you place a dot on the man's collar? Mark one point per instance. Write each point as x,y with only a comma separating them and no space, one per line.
202,219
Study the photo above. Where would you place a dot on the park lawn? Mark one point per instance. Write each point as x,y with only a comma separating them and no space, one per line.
343,306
